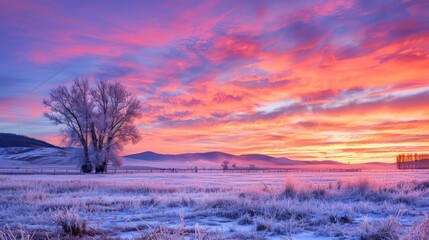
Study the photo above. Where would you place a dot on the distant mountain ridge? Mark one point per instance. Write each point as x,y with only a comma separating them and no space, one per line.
244,159
14,140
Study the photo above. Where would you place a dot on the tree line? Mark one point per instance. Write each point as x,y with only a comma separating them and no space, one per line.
412,160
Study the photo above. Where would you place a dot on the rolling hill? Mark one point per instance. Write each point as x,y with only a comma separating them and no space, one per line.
14,140
214,159
22,151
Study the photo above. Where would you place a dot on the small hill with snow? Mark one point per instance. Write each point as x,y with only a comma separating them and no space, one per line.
18,151
25,156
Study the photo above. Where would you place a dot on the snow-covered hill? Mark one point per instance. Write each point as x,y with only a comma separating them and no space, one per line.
17,151
37,156
214,159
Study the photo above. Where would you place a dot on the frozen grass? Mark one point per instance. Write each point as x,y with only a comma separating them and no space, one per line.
18,233
388,228
99,207
70,222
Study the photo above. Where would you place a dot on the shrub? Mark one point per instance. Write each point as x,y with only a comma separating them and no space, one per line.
70,222
187,201
245,219
34,196
319,193
162,232
419,231
404,198
343,219
421,186
339,184
387,229
8,234
263,224
289,190
220,203
360,186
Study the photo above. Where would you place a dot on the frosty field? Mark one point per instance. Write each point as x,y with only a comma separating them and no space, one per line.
300,205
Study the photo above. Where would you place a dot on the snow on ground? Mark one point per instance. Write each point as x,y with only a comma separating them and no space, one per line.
132,162
242,179
298,205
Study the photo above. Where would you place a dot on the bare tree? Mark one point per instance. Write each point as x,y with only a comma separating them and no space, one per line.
112,125
225,164
99,119
70,107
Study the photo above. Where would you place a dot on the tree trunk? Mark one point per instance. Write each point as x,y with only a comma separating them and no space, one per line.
86,167
101,168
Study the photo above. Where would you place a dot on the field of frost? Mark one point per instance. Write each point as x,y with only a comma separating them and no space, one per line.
304,205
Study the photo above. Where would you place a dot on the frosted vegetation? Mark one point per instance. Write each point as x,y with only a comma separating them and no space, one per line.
367,205
98,120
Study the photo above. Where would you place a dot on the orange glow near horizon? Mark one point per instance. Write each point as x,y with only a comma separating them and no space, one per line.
238,77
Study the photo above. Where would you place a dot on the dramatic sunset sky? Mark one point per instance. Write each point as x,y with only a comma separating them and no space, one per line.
308,80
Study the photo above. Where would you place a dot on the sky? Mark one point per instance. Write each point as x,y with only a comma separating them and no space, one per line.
309,80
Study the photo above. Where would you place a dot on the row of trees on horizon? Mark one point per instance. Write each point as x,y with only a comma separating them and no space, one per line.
412,161
411,157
